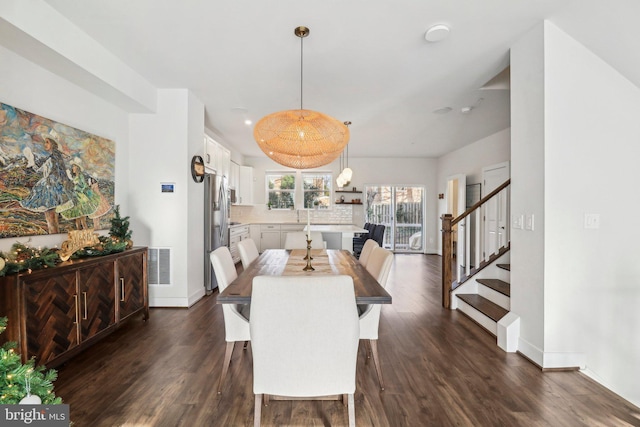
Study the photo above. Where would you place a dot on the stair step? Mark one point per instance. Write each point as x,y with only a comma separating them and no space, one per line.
484,306
504,266
497,285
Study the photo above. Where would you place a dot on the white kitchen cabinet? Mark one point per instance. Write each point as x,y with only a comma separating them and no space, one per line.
254,231
225,162
237,233
210,149
244,192
269,237
217,159
234,177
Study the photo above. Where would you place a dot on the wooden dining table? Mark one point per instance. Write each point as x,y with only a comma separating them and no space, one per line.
283,262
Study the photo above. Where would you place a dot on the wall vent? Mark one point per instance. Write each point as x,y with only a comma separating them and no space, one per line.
159,266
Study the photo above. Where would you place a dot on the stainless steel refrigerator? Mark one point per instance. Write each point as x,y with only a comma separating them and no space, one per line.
217,207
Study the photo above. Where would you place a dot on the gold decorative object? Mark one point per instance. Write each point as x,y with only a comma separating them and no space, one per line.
301,139
308,267
78,239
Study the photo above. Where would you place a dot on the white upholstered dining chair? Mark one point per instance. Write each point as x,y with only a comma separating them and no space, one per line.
248,252
366,251
236,317
298,240
379,266
304,338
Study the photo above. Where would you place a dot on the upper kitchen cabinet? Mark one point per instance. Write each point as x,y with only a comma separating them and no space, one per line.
245,190
217,159
234,176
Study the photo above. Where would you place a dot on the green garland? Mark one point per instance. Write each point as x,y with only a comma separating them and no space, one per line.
16,377
23,257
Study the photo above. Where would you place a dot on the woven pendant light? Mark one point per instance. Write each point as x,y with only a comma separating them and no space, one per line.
301,139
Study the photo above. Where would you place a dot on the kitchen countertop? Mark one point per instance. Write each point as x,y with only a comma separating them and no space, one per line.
337,228
234,224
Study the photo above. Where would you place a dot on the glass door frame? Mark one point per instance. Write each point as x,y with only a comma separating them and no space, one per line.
391,223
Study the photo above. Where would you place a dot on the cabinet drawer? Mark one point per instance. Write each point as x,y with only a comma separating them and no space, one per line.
292,227
270,227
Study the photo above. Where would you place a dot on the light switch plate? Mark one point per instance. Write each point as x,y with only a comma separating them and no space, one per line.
517,221
528,222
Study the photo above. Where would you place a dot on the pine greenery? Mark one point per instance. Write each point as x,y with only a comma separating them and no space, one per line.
14,376
120,226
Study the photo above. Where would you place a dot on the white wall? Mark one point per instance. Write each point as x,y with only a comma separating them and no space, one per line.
575,133
469,161
527,190
591,145
29,87
162,147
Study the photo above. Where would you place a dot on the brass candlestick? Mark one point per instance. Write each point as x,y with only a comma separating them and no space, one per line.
308,267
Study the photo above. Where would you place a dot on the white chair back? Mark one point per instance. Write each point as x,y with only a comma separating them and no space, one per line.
248,252
236,318
369,244
304,336
236,325
379,264
298,240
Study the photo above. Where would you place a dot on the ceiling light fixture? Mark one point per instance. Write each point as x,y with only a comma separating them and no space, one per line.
301,138
437,33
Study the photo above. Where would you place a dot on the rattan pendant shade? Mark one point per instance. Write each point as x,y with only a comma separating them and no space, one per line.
301,139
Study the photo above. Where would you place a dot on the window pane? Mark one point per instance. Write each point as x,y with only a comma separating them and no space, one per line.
280,190
317,189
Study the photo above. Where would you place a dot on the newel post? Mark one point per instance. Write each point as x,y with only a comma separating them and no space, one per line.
447,249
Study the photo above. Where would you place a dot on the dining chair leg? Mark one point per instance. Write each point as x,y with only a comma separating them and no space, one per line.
376,361
351,408
225,367
257,411
367,352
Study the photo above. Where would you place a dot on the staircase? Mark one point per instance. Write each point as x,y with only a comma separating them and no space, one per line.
476,284
485,298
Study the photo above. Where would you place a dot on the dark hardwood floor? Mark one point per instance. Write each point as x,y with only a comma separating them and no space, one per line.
440,369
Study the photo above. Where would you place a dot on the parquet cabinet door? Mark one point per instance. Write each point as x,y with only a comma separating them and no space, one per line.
97,299
51,305
130,284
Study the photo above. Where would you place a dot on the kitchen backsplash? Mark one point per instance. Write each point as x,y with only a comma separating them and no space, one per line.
261,214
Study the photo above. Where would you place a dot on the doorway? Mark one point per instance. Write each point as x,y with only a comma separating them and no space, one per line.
496,211
401,210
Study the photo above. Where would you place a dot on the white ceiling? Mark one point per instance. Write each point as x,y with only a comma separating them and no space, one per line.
364,61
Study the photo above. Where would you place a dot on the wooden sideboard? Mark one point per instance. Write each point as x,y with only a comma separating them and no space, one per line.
56,312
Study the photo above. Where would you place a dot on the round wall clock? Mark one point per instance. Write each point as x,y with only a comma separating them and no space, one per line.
197,169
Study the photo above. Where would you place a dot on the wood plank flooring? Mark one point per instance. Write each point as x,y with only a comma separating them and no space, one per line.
440,369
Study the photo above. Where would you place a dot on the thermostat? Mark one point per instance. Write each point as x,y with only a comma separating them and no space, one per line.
167,187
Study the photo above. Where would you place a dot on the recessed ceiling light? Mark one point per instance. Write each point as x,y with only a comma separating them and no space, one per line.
248,122
443,110
437,33
466,110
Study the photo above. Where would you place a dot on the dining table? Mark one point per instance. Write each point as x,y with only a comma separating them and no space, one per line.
284,262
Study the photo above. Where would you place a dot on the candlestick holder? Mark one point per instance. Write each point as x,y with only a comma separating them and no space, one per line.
308,267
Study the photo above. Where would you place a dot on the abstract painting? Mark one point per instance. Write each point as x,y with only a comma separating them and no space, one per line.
53,178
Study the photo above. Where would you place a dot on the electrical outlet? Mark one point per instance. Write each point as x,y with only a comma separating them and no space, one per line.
591,220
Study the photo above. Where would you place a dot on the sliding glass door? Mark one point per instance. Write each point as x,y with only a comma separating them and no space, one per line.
401,210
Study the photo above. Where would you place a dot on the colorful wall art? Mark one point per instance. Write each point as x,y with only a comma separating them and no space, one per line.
53,178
